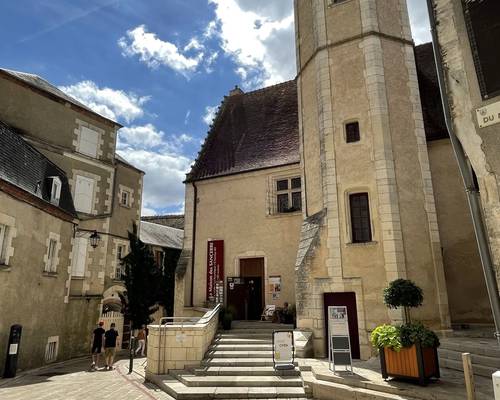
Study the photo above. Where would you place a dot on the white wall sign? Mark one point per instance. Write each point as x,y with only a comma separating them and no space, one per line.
13,348
488,115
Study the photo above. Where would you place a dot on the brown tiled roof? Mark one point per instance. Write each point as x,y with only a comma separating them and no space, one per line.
251,131
260,129
435,127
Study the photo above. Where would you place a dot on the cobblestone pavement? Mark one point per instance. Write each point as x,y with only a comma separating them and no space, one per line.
73,381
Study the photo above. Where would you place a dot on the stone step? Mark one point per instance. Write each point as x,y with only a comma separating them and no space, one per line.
179,390
239,340
240,347
482,347
238,371
250,331
260,325
239,354
244,335
239,381
486,361
480,370
239,362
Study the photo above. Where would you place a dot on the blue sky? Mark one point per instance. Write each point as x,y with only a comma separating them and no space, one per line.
160,67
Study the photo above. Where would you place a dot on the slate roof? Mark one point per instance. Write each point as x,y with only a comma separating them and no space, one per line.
25,167
161,235
432,108
45,86
251,131
172,220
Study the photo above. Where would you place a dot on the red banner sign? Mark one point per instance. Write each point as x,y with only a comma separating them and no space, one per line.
215,266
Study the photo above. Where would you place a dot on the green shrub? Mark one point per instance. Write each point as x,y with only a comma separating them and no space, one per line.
386,336
417,332
403,293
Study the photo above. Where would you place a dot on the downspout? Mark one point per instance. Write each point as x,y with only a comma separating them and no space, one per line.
471,189
194,242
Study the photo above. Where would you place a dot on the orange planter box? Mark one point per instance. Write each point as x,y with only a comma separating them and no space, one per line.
412,362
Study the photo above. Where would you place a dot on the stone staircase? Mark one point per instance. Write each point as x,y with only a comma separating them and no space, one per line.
238,365
485,354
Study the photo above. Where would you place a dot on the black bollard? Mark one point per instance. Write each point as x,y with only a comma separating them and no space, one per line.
132,351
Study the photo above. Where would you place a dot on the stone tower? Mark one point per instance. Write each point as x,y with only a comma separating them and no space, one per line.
369,213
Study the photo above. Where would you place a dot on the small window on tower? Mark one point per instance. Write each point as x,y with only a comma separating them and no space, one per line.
352,132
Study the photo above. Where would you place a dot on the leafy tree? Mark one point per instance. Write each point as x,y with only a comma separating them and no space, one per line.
167,282
142,281
403,293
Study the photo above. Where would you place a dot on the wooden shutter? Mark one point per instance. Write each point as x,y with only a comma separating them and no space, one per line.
84,194
89,140
79,257
360,218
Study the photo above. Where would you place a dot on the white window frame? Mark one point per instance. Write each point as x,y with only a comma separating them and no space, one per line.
4,235
78,195
51,349
119,255
51,265
127,198
289,191
55,191
86,146
79,257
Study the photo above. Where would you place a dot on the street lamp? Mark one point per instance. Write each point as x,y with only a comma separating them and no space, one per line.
94,239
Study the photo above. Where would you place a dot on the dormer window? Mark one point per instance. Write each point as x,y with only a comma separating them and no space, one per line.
54,189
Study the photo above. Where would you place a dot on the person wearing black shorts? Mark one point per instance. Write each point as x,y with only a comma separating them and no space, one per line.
97,342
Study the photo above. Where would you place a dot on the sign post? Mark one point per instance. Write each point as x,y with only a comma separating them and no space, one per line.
339,343
283,350
215,268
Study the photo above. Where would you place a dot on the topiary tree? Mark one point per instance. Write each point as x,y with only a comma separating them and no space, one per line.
403,293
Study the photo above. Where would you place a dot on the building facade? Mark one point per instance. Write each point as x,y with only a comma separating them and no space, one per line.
106,194
369,157
467,32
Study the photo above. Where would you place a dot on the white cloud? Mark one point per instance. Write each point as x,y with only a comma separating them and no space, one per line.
155,52
419,21
146,136
165,173
111,103
210,113
259,37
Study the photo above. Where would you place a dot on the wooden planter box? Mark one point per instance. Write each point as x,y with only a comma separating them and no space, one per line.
412,362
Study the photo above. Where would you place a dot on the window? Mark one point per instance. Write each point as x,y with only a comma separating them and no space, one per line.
120,253
352,132
360,218
3,243
55,189
79,257
51,265
88,142
84,194
125,198
288,195
51,349
481,18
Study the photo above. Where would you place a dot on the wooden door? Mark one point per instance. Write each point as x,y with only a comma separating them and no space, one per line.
254,268
347,299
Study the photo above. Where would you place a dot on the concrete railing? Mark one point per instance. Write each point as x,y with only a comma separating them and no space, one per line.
180,342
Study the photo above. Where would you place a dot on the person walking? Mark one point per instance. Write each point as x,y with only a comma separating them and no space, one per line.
141,337
110,346
97,342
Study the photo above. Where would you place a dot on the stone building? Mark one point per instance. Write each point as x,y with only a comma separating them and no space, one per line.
105,196
330,186
467,35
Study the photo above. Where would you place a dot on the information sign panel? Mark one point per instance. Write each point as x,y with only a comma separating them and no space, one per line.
339,351
283,350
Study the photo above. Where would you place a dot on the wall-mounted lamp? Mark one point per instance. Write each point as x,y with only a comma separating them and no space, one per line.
94,239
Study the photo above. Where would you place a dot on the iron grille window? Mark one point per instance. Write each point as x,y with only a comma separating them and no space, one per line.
360,218
483,27
120,253
352,132
51,256
288,195
3,243
125,199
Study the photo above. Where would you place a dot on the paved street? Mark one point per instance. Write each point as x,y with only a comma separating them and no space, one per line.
73,381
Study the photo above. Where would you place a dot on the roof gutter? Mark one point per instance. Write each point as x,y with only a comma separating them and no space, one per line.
471,189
